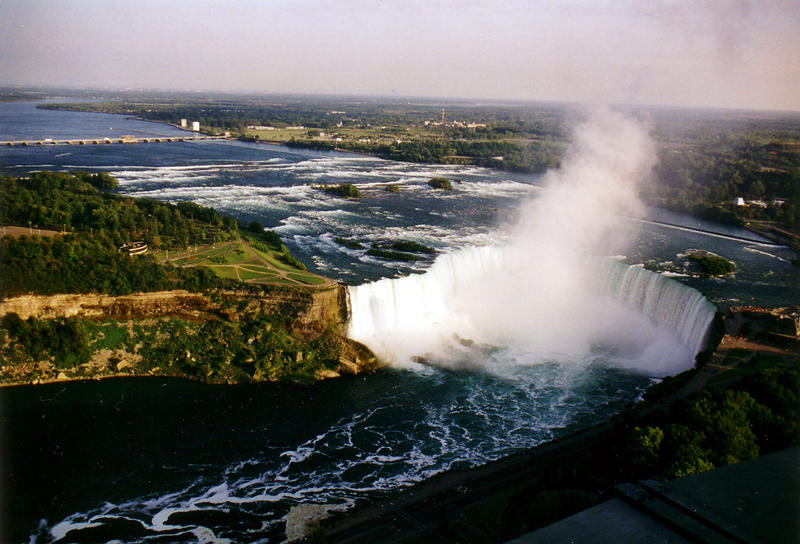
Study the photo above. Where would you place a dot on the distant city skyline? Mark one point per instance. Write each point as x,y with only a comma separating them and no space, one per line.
705,53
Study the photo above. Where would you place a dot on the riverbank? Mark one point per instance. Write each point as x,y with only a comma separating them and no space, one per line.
776,233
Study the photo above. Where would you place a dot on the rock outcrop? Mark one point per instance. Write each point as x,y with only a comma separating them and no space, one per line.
311,311
749,320
135,306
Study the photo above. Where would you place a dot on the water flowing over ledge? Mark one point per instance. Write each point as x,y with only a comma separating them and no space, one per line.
491,306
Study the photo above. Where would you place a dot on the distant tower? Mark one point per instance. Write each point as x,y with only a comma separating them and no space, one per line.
442,116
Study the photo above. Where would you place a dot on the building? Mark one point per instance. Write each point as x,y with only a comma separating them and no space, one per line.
196,126
739,201
184,123
133,248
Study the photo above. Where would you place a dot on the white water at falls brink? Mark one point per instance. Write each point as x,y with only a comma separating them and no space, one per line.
549,295
489,307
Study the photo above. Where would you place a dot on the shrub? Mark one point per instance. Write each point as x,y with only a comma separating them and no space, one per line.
441,183
344,190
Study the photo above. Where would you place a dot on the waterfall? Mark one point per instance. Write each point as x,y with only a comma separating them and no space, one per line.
501,300
676,307
548,295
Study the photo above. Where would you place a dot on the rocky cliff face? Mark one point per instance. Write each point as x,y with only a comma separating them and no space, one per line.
309,312
135,306
307,315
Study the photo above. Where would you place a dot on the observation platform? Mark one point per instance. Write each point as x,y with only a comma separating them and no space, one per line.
755,501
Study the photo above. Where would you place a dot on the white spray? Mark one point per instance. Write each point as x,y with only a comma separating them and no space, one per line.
550,294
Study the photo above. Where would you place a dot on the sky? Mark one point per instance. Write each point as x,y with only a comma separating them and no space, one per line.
706,53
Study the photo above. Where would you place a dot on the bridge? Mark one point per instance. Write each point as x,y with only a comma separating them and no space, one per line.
115,140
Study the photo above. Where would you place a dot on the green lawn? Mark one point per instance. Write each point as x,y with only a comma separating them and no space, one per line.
308,279
234,261
247,274
224,271
259,268
271,259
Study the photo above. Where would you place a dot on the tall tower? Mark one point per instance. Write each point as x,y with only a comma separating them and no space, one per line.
442,115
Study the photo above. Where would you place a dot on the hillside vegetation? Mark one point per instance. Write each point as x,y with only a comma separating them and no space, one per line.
260,315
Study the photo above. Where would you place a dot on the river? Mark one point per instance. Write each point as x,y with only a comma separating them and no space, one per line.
163,460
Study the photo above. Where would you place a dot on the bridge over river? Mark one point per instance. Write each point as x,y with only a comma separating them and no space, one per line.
115,140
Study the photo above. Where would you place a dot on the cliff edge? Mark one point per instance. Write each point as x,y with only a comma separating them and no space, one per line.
222,336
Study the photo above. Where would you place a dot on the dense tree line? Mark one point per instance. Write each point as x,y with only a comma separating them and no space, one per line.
64,339
757,415
72,202
82,264
529,157
86,258
707,181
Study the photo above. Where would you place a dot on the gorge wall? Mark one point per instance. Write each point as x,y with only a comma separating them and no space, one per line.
310,311
308,326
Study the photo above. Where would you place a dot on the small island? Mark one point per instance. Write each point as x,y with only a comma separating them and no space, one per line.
441,183
344,190
712,265
397,250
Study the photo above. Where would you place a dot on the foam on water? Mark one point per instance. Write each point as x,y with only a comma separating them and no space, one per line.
420,431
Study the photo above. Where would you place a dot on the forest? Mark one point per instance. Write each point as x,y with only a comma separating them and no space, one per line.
94,223
756,414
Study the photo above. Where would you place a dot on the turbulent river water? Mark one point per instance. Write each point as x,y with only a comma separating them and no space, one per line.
168,461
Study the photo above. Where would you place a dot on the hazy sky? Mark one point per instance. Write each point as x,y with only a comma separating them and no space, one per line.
726,53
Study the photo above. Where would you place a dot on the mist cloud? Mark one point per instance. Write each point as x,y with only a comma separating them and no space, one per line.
550,293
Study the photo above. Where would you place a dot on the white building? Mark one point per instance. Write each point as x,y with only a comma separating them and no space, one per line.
196,126
184,123
739,201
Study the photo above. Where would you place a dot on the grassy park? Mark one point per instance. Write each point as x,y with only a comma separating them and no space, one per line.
239,260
